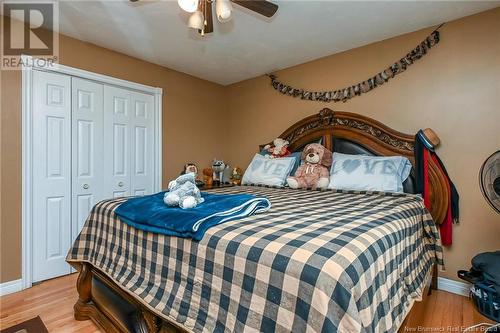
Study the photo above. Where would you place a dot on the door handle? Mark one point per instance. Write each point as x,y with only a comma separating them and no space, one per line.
85,186
120,184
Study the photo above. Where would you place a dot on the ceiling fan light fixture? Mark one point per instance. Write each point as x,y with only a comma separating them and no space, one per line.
189,6
223,9
196,21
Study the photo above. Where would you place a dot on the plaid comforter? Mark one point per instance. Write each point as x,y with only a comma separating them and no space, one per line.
317,261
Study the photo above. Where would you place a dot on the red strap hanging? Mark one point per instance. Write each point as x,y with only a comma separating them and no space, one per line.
426,194
446,228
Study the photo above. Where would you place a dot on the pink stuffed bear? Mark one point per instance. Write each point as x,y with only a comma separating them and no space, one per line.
313,173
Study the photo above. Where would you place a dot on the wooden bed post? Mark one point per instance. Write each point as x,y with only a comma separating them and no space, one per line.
84,307
84,287
434,283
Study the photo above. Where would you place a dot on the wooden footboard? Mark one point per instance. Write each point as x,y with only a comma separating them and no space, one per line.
115,311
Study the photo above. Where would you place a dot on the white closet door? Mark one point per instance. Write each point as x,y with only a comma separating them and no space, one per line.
87,149
128,142
142,143
51,170
117,150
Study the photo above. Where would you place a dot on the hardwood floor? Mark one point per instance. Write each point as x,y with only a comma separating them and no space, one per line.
53,301
447,312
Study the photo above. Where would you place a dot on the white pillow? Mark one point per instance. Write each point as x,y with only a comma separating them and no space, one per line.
369,173
268,171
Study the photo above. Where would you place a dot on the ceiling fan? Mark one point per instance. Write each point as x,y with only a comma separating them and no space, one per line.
201,17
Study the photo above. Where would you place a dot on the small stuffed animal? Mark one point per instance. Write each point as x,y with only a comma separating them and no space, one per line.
218,167
208,176
190,167
313,173
183,192
226,175
236,176
280,148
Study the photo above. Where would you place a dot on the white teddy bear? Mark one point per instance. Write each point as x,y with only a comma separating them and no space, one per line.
280,148
183,192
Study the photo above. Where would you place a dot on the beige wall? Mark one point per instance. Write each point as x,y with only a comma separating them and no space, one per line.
190,133
455,90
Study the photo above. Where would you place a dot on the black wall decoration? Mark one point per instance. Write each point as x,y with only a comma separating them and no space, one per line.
347,93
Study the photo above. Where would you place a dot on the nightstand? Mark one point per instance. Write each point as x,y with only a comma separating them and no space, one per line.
209,187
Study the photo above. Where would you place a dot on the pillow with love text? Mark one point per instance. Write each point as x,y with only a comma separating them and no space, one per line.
369,173
268,171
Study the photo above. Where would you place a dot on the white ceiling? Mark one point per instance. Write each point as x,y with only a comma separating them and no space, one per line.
250,45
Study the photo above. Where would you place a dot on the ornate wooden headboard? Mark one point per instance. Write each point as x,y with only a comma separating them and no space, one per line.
372,135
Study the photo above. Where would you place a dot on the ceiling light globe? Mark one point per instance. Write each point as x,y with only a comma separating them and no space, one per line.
196,21
223,9
189,6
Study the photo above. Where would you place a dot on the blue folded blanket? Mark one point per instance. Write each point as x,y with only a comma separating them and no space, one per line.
150,213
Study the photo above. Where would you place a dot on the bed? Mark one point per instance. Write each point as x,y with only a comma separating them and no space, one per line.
317,261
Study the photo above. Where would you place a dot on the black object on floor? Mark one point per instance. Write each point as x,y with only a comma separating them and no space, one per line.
488,263
34,325
485,277
471,276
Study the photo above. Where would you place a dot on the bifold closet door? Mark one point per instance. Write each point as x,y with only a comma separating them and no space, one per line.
90,142
128,142
142,135
51,170
87,149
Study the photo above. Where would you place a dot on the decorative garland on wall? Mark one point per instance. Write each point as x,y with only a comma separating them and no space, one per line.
347,93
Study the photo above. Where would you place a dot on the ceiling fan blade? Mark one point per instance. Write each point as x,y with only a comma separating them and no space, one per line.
139,3
209,17
266,8
205,7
